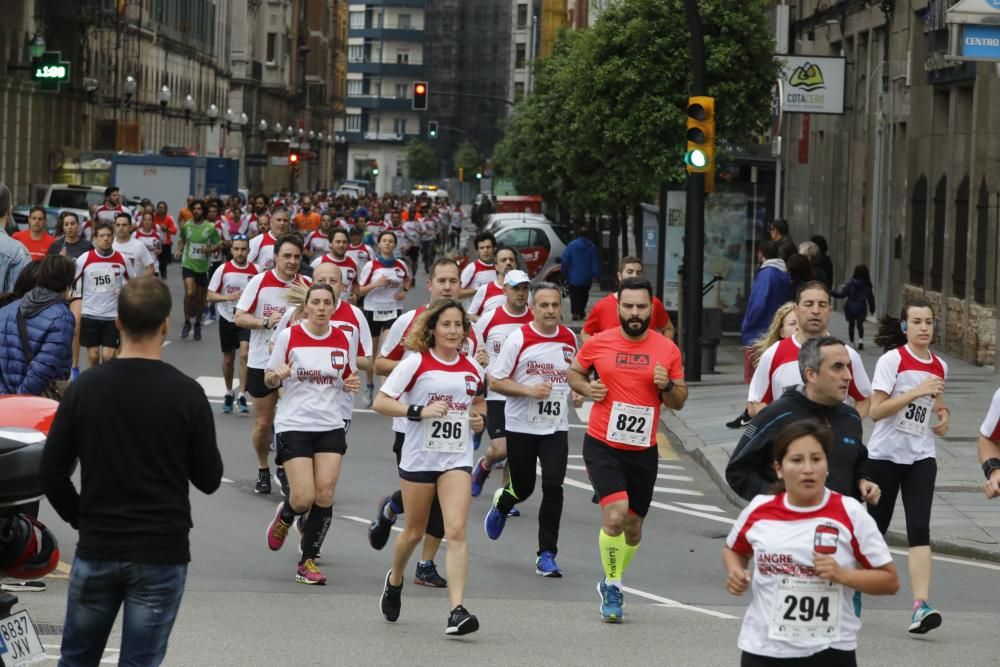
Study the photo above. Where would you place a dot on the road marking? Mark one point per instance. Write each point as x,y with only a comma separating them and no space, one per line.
667,602
368,522
671,478
227,480
165,343
666,449
663,466
702,508
676,491
215,385
583,412
949,559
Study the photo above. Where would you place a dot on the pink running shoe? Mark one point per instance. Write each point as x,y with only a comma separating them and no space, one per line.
277,531
308,573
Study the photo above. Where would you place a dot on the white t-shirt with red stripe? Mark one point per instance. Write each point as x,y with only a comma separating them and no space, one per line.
263,296
780,538
424,378
360,254
311,398
492,329
99,280
348,271
383,299
105,213
531,357
352,323
317,242
152,240
478,273
230,279
990,428
262,251
906,436
487,297
778,369
136,253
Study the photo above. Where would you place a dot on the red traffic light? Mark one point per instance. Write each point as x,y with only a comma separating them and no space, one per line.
421,89
420,93
293,158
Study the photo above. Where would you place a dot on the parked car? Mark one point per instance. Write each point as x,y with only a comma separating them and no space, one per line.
77,198
540,243
19,215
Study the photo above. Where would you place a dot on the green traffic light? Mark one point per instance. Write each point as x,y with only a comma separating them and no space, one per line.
696,158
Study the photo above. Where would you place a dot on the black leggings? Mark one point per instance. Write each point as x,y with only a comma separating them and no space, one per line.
551,451
916,480
435,520
858,322
831,657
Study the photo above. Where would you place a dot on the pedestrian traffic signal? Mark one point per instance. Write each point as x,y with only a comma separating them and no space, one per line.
700,155
294,162
420,96
374,168
432,129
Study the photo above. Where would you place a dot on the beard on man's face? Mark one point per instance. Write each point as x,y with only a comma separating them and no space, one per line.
635,325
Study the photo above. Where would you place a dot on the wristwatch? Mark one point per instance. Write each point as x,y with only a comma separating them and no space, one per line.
267,322
989,465
669,387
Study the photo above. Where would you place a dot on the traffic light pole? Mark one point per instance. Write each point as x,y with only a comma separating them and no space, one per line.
694,230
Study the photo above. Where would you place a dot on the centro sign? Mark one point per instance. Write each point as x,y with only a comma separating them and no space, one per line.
812,84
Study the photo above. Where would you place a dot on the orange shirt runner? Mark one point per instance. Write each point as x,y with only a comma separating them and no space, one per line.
308,222
604,316
37,249
628,415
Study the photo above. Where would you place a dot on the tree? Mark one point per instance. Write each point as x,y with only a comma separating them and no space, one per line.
467,158
606,121
421,161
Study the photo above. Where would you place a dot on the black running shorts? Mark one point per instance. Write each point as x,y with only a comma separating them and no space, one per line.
378,326
297,444
619,474
200,279
255,383
230,335
496,420
98,333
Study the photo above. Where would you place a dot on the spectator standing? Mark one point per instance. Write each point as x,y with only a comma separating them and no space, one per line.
860,300
132,509
36,332
811,252
13,255
779,234
799,273
822,260
769,291
36,237
581,266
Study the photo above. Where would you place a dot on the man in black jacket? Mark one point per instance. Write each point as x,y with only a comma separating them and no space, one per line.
132,511
826,368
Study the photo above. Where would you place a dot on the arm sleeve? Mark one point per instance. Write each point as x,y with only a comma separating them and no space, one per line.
747,470
59,460
280,350
204,459
392,346
145,257
592,324
760,385
467,273
21,260
737,538
215,284
587,354
476,305
990,428
399,379
886,367
861,386
503,366
366,347
870,549
54,359
248,300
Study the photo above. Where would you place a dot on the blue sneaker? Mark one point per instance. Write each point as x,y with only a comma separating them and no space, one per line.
514,512
495,519
857,603
545,565
611,602
925,618
227,404
241,404
479,477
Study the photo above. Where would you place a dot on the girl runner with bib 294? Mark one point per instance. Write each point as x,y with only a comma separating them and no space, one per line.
809,547
907,384
440,392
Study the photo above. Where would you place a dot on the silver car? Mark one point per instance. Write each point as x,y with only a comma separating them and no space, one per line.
540,242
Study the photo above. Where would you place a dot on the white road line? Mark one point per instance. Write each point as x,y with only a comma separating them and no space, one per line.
165,343
663,466
368,522
671,478
578,426
583,412
949,559
678,492
667,602
702,508
227,480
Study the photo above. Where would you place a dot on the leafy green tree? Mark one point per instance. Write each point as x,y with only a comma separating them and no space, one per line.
421,161
467,157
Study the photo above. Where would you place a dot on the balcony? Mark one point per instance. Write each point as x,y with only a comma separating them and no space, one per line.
380,103
395,3
389,31
407,70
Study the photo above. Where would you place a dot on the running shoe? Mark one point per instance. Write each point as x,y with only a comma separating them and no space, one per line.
742,420
545,565
479,477
186,329
263,484
197,330
513,512
277,530
461,622
495,519
308,573
925,618
227,404
241,405
390,601
380,528
427,575
36,586
611,602
282,479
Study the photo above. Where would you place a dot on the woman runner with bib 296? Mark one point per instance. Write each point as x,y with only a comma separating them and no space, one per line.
907,384
809,545
440,392
312,360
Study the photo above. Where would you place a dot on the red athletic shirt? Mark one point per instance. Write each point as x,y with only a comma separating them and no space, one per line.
626,369
604,315
37,249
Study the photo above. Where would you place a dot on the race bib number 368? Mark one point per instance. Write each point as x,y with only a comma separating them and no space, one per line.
630,424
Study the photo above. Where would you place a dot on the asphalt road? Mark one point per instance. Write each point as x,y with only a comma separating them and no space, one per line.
243,607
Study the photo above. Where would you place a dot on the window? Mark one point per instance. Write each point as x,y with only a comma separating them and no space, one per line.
272,47
400,167
355,53
520,54
518,238
522,16
357,20
353,122
402,91
958,286
937,233
402,57
539,239
918,231
399,126
405,22
518,90
982,241
354,87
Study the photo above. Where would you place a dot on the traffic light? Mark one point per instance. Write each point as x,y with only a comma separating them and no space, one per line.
461,174
374,167
420,95
432,129
700,155
294,162
479,174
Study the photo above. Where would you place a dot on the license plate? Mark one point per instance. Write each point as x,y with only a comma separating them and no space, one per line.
19,642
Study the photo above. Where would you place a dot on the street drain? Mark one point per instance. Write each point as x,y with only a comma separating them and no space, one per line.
49,629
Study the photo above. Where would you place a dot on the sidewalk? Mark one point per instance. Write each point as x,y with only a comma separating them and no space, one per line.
963,521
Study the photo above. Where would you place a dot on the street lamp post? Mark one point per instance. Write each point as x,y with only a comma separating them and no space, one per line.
129,89
164,99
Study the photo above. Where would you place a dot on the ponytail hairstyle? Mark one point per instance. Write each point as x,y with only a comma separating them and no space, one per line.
891,332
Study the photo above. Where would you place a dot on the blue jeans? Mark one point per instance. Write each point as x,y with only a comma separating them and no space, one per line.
152,596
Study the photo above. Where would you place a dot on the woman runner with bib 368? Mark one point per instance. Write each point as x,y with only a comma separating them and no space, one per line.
907,384
440,392
809,546
312,360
